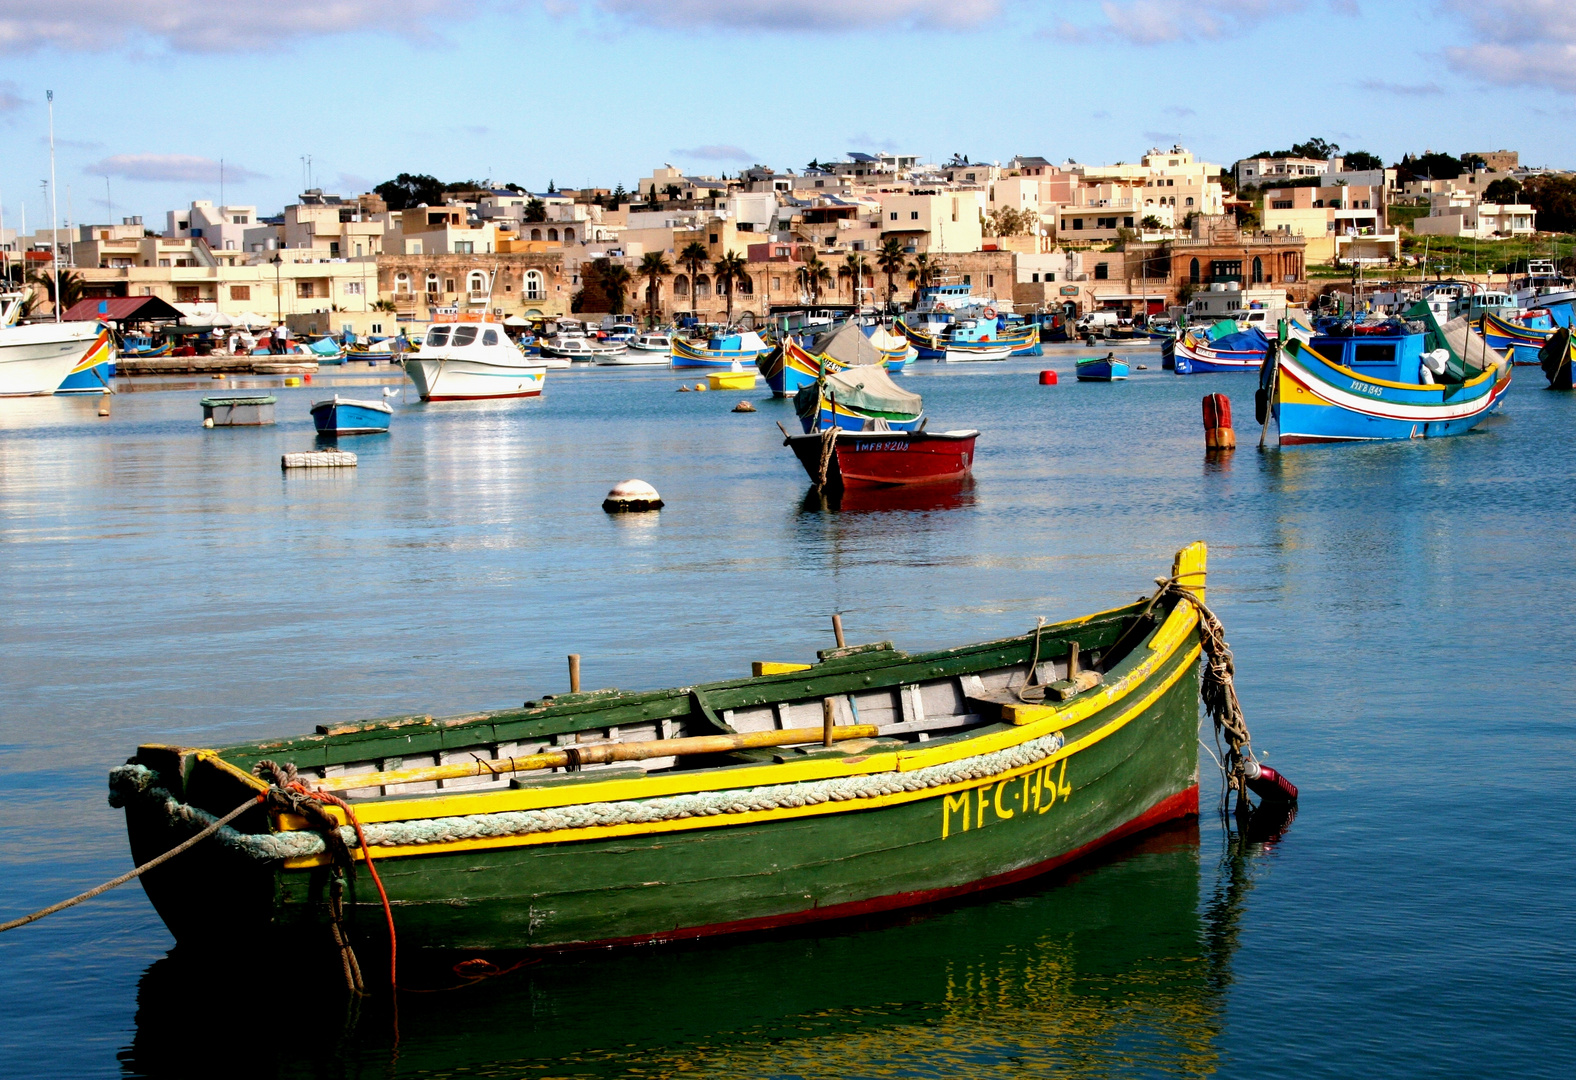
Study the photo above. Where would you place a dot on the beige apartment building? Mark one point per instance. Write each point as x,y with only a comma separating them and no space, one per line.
1339,221
1454,213
948,222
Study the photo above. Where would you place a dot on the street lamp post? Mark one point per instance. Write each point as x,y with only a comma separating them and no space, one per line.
279,299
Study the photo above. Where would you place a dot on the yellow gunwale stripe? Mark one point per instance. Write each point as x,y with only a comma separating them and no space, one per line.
603,832
1177,626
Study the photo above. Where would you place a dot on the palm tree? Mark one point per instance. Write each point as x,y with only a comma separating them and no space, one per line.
813,275
654,267
892,260
924,273
854,266
615,278
730,270
694,258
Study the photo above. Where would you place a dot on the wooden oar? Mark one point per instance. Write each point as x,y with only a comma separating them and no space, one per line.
599,754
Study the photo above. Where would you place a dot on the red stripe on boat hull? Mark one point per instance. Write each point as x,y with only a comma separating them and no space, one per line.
1181,805
480,397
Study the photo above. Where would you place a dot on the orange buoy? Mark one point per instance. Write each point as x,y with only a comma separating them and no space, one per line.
1047,378
1218,434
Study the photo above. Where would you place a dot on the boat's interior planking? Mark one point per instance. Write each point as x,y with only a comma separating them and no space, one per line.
910,698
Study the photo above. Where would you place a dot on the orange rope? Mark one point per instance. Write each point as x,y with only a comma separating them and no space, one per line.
366,853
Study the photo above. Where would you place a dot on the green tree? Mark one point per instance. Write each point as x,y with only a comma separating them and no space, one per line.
619,195
535,210
1554,198
1150,222
603,285
1362,161
71,286
813,276
694,258
1502,191
855,267
411,189
552,188
616,280
730,271
892,260
654,266
924,273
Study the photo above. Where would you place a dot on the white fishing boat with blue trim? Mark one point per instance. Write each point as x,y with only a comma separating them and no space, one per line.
466,357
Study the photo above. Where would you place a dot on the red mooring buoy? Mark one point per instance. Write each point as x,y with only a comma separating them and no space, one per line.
1047,378
1268,784
1217,423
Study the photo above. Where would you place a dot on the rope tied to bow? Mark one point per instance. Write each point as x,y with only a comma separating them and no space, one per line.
287,794
1217,686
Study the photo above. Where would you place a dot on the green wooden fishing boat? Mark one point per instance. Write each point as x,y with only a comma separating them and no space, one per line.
871,780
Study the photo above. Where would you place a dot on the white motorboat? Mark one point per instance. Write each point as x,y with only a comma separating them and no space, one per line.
656,342
632,358
35,359
975,353
579,348
469,358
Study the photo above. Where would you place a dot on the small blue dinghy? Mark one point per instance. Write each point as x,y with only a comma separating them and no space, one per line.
1107,368
346,416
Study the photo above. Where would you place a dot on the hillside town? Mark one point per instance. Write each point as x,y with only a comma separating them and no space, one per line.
860,231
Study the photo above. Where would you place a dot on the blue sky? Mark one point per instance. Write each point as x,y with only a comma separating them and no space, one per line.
153,94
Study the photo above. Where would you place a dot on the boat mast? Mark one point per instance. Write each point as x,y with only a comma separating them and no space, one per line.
54,209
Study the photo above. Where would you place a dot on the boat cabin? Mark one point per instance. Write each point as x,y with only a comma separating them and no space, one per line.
1389,350
1476,305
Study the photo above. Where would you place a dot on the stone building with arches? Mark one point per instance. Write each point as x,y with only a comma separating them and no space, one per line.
507,283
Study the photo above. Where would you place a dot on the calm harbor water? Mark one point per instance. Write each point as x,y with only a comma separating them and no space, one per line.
1400,614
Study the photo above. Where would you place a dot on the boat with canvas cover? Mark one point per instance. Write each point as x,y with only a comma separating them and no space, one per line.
870,780
1220,348
1557,357
859,399
466,357
795,364
36,358
1395,379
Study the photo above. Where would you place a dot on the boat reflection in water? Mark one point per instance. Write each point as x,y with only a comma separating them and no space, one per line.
1112,968
909,498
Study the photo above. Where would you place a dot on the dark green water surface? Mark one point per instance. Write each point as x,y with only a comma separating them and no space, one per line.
1402,617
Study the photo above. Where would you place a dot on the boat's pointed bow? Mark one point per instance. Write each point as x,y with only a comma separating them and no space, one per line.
1188,568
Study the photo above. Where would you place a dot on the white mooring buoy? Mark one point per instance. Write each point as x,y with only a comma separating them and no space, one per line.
632,495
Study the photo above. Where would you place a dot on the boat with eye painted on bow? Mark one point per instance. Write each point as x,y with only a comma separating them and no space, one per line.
869,780
466,357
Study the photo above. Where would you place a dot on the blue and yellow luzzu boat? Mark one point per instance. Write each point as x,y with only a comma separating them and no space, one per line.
1365,383
799,361
984,335
720,350
94,370
1521,338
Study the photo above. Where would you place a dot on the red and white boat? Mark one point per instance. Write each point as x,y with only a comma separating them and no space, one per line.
884,458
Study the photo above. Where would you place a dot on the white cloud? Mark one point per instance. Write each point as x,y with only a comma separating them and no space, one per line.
716,152
1520,43
10,99
1161,22
186,168
813,15
193,25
